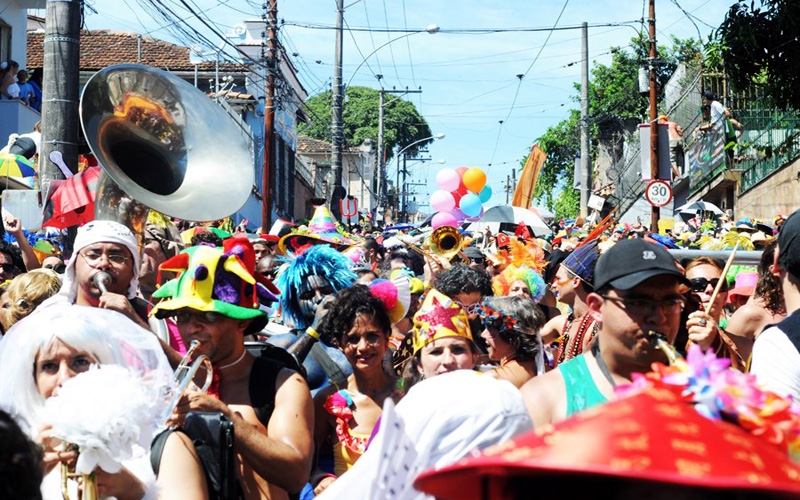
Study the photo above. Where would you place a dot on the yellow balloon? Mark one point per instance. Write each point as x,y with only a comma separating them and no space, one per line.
474,179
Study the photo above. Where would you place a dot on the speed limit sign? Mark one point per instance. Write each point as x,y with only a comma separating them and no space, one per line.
658,193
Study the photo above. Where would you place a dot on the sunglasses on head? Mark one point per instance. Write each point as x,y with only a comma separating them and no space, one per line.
701,284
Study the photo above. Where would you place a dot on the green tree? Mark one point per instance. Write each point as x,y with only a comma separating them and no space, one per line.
759,45
403,124
613,97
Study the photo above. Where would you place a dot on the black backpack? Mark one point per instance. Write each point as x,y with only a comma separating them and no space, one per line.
212,432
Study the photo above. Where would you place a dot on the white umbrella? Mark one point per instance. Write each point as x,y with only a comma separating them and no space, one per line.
699,206
495,216
544,213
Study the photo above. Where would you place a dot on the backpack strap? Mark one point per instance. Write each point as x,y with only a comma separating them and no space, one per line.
262,387
157,449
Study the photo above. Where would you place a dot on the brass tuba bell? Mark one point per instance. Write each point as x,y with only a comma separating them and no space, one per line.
446,242
165,145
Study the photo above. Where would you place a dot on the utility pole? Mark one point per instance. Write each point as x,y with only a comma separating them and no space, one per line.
508,189
337,132
267,187
653,111
60,119
586,163
381,184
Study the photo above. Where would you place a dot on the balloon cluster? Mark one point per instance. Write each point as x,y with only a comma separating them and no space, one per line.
460,197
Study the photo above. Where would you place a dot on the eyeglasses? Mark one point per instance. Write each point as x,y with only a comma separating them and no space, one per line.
471,309
92,257
700,284
204,317
477,260
642,307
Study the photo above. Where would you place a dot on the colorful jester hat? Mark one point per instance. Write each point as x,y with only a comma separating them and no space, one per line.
439,317
217,280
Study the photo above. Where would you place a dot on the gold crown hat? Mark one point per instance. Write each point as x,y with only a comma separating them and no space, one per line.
321,229
439,317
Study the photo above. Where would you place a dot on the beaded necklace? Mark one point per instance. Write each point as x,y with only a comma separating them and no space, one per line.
562,346
577,346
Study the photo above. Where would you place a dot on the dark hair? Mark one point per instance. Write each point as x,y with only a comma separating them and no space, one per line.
768,286
412,260
524,338
206,237
13,253
463,279
21,464
371,244
709,94
553,261
346,306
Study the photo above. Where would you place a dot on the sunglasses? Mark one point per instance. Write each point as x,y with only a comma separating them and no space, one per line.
701,284
206,318
471,309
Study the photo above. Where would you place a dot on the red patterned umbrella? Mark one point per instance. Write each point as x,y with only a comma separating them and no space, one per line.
72,203
651,441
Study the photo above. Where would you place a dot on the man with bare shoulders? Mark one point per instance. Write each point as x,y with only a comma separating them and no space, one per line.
637,290
215,301
573,284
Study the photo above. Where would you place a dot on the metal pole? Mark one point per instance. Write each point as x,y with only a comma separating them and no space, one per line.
586,163
653,111
381,155
337,135
405,190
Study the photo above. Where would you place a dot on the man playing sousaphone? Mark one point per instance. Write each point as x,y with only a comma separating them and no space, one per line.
214,300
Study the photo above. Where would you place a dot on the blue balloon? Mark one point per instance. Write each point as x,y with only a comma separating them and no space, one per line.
470,204
485,193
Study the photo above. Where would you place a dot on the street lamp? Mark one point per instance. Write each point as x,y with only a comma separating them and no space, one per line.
337,132
397,161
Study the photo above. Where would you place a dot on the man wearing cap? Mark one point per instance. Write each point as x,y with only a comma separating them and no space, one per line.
776,352
215,300
637,290
572,284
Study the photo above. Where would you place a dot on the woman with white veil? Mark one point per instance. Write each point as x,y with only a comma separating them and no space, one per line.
40,355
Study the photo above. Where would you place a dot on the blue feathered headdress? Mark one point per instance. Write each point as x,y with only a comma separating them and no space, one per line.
318,260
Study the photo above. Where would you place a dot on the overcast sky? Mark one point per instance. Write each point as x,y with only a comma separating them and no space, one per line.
468,78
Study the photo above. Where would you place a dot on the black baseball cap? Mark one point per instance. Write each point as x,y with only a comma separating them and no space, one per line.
630,262
789,245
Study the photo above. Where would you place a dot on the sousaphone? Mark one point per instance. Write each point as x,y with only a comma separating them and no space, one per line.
162,144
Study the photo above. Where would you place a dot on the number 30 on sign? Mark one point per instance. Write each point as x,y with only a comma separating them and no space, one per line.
658,193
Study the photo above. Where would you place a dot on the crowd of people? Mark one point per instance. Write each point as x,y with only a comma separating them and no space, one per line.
347,365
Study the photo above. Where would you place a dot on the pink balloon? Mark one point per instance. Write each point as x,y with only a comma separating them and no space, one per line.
443,219
448,179
442,201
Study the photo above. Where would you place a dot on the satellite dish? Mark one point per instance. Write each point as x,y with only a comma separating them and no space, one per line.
239,30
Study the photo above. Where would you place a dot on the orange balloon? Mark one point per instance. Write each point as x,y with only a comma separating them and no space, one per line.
474,179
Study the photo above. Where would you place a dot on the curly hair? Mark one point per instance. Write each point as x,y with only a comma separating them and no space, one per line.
524,338
768,287
346,306
501,284
463,279
27,291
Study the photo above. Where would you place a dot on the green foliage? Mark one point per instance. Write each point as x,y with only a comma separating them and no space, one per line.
403,124
759,44
613,97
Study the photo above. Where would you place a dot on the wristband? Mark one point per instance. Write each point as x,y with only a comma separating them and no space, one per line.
312,332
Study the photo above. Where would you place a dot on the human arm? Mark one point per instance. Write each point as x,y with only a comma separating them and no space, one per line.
282,456
13,226
542,395
321,479
551,330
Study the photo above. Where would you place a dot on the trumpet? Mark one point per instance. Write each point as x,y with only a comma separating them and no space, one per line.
659,340
89,484
185,374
